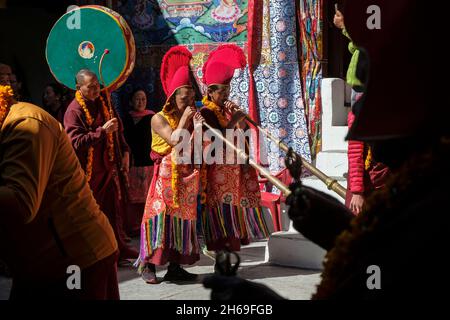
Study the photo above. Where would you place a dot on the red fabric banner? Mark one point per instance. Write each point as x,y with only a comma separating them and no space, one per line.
254,40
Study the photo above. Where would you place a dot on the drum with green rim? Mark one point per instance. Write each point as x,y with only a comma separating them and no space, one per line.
79,39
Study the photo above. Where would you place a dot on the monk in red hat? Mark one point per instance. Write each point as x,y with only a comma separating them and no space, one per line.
232,214
168,229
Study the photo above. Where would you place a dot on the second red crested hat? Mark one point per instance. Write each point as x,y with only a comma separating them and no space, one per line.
175,72
221,64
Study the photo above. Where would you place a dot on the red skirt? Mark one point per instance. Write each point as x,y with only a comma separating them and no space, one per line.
168,231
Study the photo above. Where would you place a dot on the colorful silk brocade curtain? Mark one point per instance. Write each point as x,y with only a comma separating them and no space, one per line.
310,19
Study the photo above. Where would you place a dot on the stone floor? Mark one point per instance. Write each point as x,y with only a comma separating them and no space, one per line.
291,283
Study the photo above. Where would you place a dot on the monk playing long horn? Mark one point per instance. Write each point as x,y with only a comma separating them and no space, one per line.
232,213
168,230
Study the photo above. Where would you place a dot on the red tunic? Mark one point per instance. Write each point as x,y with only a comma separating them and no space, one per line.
232,215
360,180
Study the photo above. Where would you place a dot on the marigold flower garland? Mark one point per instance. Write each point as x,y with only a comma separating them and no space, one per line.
90,121
173,123
368,161
6,101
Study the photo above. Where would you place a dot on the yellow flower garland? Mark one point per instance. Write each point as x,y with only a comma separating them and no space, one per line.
6,101
368,161
169,115
90,121
223,121
110,136
173,123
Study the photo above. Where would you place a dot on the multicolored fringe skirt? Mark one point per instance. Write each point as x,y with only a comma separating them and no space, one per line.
226,226
166,238
168,232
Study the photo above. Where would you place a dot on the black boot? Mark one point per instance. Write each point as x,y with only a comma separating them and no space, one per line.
176,273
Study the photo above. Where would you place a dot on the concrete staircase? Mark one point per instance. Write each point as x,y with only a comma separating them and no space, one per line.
290,248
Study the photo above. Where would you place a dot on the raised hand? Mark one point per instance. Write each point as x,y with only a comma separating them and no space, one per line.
111,125
230,107
198,119
239,115
188,114
339,20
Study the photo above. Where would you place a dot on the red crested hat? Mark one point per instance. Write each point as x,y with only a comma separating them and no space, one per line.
221,63
175,70
402,95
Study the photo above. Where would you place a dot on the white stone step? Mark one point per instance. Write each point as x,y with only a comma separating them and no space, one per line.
291,249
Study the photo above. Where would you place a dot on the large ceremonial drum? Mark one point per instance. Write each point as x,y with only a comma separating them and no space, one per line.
79,39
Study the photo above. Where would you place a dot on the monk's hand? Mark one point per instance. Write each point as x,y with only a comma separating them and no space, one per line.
111,125
187,116
198,119
237,117
339,20
357,203
230,107
125,162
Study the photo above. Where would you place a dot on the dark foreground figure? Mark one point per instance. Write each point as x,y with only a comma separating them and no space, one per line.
404,229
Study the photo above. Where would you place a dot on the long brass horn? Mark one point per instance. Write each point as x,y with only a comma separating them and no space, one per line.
241,153
332,184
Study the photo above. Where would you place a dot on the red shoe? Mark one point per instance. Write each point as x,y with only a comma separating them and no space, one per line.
149,274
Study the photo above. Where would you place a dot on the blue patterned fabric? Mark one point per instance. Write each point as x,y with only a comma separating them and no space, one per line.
278,83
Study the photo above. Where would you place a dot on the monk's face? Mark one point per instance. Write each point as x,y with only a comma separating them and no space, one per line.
90,88
220,95
184,97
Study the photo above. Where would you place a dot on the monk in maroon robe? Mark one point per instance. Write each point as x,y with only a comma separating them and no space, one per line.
102,173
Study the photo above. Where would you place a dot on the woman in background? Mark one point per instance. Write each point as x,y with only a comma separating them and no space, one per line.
139,137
